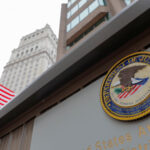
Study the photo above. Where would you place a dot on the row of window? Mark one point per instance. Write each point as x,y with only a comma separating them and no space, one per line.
105,18
18,86
21,66
75,8
33,35
84,14
73,1
27,51
18,74
79,5
21,74
15,80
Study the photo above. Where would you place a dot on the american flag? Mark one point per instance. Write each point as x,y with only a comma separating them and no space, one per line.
6,96
129,93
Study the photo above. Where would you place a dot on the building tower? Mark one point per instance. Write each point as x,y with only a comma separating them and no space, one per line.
35,54
80,18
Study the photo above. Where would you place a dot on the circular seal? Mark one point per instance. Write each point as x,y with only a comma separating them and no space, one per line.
125,92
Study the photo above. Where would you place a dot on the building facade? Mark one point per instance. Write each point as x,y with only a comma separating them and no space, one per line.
35,54
80,18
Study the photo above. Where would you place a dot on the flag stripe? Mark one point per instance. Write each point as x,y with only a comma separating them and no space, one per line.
130,91
136,89
122,94
5,96
6,88
12,93
1,104
7,93
3,100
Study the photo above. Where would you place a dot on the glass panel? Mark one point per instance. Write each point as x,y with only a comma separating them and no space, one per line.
68,27
82,2
93,6
102,2
68,15
83,14
69,4
72,1
74,9
127,2
74,22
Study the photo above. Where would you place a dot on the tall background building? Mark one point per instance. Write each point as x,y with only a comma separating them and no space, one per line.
80,18
35,54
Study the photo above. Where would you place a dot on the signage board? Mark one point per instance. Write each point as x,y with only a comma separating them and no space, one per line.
80,123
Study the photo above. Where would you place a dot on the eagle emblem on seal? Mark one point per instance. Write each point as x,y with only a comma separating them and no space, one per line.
128,83
125,91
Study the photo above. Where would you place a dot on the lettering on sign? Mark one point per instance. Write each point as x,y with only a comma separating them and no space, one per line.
123,140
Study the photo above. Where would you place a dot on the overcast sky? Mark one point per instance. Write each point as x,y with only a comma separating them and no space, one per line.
21,17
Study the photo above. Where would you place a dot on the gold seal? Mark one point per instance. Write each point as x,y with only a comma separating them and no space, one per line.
126,88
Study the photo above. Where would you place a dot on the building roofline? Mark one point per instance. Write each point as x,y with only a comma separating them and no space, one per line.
121,28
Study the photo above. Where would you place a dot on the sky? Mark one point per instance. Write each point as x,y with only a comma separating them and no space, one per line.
21,17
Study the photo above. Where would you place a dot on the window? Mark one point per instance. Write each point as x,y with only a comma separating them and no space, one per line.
69,4
84,14
127,2
36,47
74,9
93,6
74,22
68,27
87,31
82,2
68,15
72,1
102,2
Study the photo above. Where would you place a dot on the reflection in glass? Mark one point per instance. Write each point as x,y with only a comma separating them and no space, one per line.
127,2
93,6
102,2
74,22
82,2
84,14
68,15
74,9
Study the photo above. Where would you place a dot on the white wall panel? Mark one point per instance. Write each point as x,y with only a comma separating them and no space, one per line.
79,123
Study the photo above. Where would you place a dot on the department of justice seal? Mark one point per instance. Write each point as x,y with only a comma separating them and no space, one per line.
125,92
